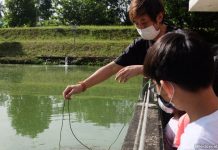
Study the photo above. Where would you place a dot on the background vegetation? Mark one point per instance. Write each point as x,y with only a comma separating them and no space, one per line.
82,45
31,13
32,30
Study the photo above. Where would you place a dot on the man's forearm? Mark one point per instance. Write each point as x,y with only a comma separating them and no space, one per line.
102,74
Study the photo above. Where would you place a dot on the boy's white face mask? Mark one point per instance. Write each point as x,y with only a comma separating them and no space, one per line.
148,33
168,107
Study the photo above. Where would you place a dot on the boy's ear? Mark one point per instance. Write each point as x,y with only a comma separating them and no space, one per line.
167,87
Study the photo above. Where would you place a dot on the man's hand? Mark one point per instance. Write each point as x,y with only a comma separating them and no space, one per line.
128,72
72,89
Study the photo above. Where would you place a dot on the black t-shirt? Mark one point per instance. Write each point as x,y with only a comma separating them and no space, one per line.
135,53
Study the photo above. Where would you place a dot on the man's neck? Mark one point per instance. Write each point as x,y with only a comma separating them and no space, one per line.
163,30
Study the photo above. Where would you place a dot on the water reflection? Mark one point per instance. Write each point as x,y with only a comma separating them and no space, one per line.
31,105
11,74
30,115
102,112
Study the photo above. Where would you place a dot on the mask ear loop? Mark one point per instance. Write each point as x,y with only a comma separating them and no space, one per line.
156,25
171,99
160,90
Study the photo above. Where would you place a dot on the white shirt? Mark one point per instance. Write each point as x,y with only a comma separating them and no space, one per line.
201,134
169,133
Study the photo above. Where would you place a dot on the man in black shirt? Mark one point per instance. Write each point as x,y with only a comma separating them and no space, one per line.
147,16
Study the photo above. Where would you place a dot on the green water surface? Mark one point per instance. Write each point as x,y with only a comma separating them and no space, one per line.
31,105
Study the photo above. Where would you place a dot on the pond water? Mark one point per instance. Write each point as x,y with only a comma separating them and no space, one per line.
31,105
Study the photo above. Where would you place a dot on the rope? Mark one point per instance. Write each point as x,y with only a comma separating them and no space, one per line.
62,123
117,136
70,127
73,131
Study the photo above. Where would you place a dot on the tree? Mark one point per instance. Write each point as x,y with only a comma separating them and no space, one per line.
1,14
95,12
177,13
1,10
45,9
124,15
21,12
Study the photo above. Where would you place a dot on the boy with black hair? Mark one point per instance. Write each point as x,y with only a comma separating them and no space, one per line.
182,66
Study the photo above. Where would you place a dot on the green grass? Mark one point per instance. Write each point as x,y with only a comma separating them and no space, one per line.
19,45
93,32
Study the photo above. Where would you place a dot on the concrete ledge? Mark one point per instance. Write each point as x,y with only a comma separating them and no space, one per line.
153,137
131,133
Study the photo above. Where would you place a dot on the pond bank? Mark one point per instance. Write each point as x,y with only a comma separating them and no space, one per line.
50,60
77,60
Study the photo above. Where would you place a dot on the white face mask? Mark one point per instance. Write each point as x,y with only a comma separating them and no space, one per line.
148,33
168,107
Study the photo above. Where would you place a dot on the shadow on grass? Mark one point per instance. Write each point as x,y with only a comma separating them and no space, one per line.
11,49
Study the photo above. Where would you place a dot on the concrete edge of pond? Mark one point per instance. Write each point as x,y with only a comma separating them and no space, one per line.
154,134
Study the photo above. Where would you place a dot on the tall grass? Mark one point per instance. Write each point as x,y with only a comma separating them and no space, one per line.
30,44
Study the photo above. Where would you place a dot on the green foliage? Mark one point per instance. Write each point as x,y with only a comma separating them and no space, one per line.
89,12
21,13
80,32
177,13
45,9
1,9
99,12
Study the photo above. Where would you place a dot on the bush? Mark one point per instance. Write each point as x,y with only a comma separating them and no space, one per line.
93,32
205,23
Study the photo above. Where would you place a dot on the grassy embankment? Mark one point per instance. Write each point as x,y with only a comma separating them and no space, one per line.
93,44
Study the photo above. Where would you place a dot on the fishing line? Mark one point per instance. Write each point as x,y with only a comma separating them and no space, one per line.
68,107
74,133
117,136
72,129
70,126
125,124
62,122
145,84
141,96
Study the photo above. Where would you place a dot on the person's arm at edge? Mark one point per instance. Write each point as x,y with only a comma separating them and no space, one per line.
128,72
98,76
102,74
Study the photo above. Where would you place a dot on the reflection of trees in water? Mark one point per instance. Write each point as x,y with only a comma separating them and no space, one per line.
4,97
30,114
12,74
102,112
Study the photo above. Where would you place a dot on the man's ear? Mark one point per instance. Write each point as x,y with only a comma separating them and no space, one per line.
160,17
167,87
